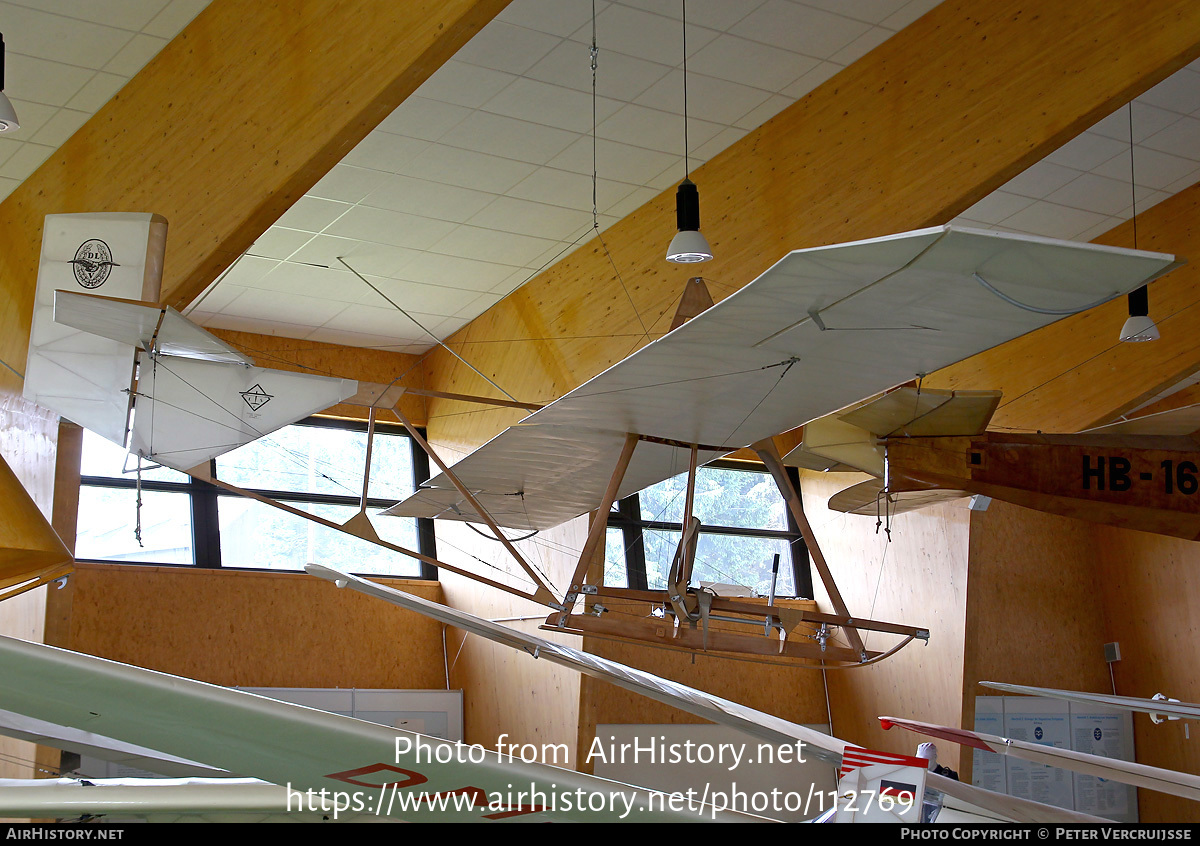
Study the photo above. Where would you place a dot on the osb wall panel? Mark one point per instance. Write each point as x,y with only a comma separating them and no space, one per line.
254,629
917,576
508,691
1151,595
1035,613
365,365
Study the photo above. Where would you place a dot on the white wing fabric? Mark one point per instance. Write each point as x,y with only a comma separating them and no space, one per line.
191,410
818,331
84,377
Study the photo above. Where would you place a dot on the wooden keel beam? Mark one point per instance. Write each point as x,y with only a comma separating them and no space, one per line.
600,519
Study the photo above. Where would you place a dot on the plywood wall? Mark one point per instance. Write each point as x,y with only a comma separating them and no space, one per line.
253,629
916,575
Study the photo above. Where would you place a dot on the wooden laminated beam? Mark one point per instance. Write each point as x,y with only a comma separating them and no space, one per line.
227,127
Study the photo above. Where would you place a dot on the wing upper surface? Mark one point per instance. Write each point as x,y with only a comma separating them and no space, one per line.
821,329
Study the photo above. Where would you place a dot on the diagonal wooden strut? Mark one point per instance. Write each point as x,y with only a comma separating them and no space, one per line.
543,595
766,450
600,521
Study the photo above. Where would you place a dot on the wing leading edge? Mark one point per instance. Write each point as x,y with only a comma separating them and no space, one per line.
821,329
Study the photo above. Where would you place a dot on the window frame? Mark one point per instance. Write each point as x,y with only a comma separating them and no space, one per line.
204,497
628,518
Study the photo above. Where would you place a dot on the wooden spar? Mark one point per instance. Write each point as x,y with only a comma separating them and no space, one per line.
544,595
201,473
770,457
425,392
695,300
663,633
600,519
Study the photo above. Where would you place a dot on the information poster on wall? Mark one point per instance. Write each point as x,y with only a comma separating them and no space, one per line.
1080,727
987,767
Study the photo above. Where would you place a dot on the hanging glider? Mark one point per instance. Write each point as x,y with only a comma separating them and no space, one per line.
101,347
821,329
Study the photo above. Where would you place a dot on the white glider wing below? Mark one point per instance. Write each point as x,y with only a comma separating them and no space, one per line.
821,329
765,727
1171,708
367,768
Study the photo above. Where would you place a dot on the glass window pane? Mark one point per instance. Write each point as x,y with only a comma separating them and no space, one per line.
391,467
659,550
104,458
744,561
739,498
616,573
301,459
258,536
107,517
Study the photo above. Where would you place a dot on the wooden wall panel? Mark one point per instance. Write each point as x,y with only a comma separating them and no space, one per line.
254,629
509,691
918,577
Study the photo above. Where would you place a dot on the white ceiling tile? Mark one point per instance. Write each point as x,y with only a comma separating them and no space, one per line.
250,323
385,152
1099,229
7,186
1150,168
467,169
513,281
1147,120
279,243
553,16
710,99
504,47
33,116
651,37
464,85
294,309
61,126
214,301
290,278
389,227
870,11
1053,221
1179,92
862,45
130,15
822,73
96,92
245,272
909,13
1086,151
1184,182
618,76
510,138
347,183
419,298
177,14
478,306
419,196
490,245
456,271
1181,138
366,257
9,145
1041,179
570,190
135,54
57,38
508,214
750,63
384,322
550,105
1094,193
761,113
656,129
25,161
997,206
41,80
632,202
802,29
622,162
420,117
312,214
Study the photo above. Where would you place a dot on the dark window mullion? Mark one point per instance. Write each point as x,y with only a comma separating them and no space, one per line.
206,527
